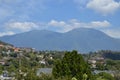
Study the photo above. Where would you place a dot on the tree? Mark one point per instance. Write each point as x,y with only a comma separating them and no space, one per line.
1,69
74,78
72,65
104,76
85,76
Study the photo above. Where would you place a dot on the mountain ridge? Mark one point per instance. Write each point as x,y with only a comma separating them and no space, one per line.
81,39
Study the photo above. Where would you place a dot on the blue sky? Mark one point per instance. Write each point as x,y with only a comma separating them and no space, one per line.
19,16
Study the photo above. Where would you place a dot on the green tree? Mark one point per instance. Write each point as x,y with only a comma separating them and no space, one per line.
85,76
104,76
72,65
74,78
1,69
31,75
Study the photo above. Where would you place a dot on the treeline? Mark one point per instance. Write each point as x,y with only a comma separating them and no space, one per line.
114,55
107,54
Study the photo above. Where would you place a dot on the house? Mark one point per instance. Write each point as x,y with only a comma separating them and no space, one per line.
1,45
40,56
42,62
8,52
2,77
44,71
100,60
95,60
28,50
5,76
8,46
106,71
16,49
2,62
51,57
92,62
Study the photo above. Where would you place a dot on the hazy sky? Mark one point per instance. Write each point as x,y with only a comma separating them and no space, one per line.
18,16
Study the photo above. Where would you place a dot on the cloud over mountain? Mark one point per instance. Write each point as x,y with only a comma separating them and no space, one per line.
22,26
54,25
64,26
6,33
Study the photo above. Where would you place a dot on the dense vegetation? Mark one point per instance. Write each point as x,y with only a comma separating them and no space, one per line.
107,54
72,65
114,55
104,76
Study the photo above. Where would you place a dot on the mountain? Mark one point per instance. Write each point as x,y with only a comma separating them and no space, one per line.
81,39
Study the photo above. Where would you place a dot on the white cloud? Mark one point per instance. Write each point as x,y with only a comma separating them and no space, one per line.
93,24
100,24
104,6
56,23
63,26
6,33
60,26
112,32
22,26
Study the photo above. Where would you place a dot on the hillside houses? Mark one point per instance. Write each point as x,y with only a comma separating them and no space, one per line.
94,61
2,62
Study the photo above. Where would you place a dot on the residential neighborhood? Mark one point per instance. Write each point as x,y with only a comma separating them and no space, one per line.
20,61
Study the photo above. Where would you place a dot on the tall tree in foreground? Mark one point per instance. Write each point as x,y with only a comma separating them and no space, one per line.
72,65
